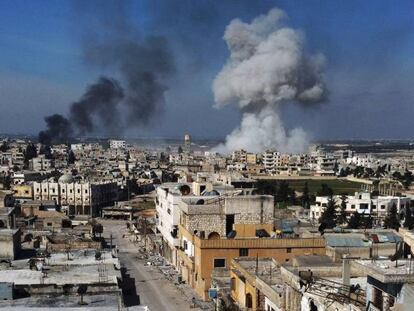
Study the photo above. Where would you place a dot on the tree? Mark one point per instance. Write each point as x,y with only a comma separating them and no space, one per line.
71,157
292,197
325,191
328,216
367,222
30,152
283,191
359,171
354,221
82,289
407,179
305,196
4,147
341,218
336,168
409,220
266,187
46,151
391,220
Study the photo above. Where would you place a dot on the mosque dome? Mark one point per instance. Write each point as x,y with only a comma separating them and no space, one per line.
66,179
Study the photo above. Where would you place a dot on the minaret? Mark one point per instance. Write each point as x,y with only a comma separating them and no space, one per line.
187,143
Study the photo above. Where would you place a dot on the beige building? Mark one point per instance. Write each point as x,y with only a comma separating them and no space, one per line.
215,230
79,198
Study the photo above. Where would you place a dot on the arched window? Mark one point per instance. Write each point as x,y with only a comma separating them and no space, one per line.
249,301
214,236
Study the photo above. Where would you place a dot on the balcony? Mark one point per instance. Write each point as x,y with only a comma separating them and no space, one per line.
260,243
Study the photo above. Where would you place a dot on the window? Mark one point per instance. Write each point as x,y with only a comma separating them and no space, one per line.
382,206
78,190
353,206
70,190
219,263
169,211
374,207
49,224
86,190
63,190
233,283
243,252
289,250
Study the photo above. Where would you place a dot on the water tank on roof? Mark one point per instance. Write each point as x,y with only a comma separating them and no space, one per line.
184,189
211,193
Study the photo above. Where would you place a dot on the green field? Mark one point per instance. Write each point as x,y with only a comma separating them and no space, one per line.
337,185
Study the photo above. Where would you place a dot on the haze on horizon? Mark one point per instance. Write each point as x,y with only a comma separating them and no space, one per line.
368,47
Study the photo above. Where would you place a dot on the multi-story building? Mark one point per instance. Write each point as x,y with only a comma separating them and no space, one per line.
77,197
168,198
213,231
271,161
117,144
363,203
239,156
40,163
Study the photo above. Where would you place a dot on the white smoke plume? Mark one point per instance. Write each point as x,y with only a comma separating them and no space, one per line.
267,67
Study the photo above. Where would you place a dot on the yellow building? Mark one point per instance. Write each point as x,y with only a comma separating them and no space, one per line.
257,284
198,257
251,158
23,191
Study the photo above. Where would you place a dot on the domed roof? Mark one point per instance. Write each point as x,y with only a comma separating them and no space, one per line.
210,193
66,178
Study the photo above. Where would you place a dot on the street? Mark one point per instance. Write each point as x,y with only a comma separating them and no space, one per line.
152,287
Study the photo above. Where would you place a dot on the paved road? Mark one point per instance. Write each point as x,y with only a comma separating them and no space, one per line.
153,289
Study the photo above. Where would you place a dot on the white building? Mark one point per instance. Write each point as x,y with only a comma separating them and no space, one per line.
168,199
271,161
117,144
363,203
40,163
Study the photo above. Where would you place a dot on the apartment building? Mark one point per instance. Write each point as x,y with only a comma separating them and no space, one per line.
363,203
40,163
214,231
77,197
117,144
168,198
271,161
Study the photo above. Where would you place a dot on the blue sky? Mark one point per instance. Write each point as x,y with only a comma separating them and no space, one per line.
369,47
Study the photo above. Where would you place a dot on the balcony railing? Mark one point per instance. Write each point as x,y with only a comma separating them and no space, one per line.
261,243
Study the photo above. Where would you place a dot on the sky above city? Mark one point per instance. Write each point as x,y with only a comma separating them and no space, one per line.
368,48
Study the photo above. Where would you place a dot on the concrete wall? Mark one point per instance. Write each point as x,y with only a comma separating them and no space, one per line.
378,249
9,243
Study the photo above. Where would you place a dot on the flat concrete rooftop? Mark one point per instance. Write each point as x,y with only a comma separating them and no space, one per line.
387,271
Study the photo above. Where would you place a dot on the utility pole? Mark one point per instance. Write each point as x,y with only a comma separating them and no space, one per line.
145,234
110,237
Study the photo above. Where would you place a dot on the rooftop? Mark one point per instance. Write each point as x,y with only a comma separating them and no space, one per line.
387,271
